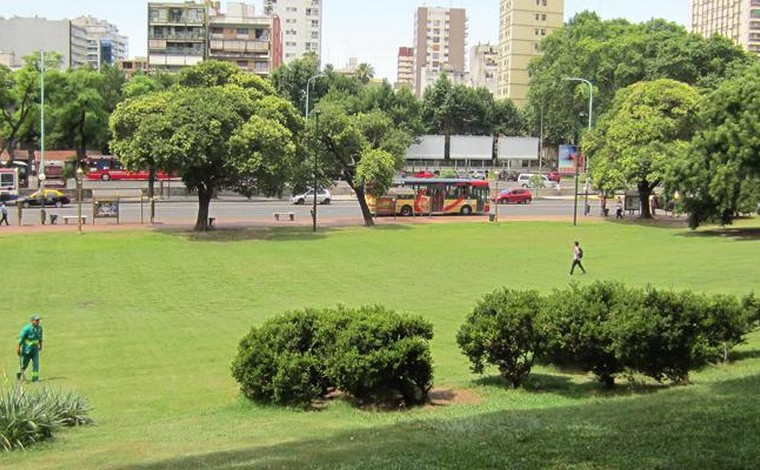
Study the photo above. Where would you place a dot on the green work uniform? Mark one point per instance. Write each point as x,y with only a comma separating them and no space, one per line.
30,341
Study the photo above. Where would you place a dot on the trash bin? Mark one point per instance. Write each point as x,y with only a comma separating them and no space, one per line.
491,217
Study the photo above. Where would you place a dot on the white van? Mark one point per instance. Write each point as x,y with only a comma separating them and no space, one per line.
525,180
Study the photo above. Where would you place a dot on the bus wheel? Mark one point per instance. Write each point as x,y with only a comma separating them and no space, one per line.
406,211
466,210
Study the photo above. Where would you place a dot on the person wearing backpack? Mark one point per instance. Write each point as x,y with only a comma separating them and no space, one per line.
577,257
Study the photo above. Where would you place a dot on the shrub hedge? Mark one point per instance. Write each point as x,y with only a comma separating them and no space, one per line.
605,328
370,353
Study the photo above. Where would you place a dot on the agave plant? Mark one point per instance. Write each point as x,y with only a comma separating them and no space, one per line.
31,415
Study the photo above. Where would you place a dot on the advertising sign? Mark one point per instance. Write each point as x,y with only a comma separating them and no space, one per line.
569,156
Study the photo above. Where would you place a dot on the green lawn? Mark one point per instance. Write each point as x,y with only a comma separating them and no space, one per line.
145,325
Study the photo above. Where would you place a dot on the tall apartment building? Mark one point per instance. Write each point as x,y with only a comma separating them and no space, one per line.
440,38
240,36
104,43
301,24
523,24
405,67
176,34
484,67
20,37
738,20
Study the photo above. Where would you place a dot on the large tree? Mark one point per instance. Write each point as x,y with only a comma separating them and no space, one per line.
612,55
722,176
645,133
216,133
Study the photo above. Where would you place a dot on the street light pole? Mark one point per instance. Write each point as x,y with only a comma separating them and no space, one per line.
41,169
80,176
308,85
585,160
316,160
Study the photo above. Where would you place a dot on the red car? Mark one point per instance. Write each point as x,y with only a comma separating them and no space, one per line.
120,174
553,176
515,196
424,174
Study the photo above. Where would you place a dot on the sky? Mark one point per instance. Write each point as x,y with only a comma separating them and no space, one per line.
370,30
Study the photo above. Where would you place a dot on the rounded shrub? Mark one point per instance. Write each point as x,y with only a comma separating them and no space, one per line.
500,331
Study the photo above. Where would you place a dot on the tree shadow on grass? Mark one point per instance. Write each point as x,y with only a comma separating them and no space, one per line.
224,235
742,355
693,427
737,233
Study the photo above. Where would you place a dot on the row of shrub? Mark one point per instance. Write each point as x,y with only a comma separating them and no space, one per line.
369,354
32,415
605,328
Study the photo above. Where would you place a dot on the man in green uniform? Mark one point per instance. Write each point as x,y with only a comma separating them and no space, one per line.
29,348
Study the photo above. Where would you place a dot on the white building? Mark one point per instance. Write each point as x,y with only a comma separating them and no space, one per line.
20,37
301,25
484,67
104,43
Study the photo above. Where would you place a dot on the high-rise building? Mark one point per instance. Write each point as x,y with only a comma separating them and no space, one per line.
240,36
440,38
20,37
523,24
738,20
484,67
104,43
405,66
176,34
301,25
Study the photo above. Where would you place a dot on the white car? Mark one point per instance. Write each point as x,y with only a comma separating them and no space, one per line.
323,197
527,180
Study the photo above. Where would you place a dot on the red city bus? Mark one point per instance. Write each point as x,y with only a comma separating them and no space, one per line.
107,168
434,196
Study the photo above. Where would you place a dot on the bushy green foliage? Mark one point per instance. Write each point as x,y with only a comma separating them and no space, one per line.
32,415
575,325
373,353
370,353
501,331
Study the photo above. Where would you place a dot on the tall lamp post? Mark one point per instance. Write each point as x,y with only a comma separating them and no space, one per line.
590,117
316,161
309,84
41,169
79,177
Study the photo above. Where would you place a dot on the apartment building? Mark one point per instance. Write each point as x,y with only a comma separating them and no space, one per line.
738,20
20,37
301,25
176,35
523,24
405,67
484,67
104,43
250,41
440,38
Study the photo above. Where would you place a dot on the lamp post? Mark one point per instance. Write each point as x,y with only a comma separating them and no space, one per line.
41,178
316,160
41,170
585,161
309,83
79,177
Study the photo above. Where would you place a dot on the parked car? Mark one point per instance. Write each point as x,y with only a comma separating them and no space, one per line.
424,174
526,180
553,176
514,196
508,175
478,174
323,197
53,197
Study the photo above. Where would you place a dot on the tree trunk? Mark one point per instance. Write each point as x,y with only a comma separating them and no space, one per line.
447,147
644,192
359,190
204,200
151,180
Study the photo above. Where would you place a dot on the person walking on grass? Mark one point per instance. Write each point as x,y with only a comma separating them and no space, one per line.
577,256
29,348
3,214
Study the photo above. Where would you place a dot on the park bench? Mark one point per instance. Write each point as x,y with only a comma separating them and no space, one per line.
290,215
66,218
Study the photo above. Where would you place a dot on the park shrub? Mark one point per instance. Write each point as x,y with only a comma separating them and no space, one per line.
277,361
751,309
663,334
29,415
725,323
500,331
369,353
576,330
376,355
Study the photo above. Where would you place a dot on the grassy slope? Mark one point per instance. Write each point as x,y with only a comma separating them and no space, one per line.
146,324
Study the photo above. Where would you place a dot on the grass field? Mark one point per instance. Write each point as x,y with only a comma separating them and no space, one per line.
145,325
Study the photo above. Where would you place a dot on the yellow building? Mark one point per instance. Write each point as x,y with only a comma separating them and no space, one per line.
522,26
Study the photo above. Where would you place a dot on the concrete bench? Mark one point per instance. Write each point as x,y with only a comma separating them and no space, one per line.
66,218
290,215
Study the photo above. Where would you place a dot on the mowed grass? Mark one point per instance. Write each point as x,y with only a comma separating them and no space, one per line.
145,325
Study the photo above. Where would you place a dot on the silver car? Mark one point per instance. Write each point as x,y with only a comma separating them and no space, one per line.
323,197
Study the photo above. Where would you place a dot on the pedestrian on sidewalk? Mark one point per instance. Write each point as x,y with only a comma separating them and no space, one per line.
3,214
577,257
619,208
